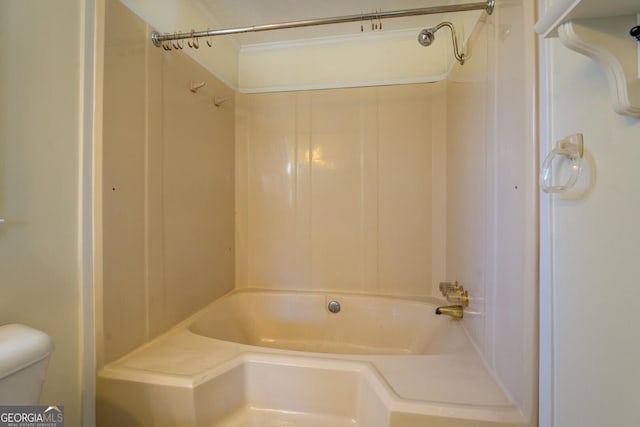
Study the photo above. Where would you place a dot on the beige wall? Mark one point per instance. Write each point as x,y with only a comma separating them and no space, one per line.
368,58
168,191
356,60
340,189
40,146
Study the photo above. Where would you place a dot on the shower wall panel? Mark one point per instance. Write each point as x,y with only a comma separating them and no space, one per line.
168,196
492,193
341,189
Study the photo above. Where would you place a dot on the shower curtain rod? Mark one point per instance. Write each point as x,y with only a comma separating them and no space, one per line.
487,5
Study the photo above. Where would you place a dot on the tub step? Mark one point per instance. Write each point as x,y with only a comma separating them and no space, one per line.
255,417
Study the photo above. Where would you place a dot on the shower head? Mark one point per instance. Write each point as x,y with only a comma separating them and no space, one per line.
427,36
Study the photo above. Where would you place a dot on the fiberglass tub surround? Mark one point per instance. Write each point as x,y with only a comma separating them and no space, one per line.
365,190
395,356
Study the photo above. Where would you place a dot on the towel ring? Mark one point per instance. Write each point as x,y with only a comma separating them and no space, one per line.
571,148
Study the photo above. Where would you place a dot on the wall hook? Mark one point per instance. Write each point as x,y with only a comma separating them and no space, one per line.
194,86
219,100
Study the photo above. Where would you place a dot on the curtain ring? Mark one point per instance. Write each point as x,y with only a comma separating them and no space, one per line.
166,45
192,43
209,40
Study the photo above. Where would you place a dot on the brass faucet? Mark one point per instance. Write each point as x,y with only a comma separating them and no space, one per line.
449,287
454,293
454,311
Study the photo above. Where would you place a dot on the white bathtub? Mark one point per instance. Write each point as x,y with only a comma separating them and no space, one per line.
256,358
364,325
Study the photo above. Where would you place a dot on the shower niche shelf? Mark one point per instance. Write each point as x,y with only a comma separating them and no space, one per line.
602,33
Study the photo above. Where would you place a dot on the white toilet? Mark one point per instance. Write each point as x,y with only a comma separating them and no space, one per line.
24,353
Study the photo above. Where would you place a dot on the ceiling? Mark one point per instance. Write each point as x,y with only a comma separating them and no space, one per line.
241,13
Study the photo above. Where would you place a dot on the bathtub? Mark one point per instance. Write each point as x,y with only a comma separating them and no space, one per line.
272,358
364,325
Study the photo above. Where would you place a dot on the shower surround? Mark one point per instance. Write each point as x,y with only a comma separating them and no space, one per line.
375,190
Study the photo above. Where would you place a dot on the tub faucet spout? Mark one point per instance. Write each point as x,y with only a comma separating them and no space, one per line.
455,311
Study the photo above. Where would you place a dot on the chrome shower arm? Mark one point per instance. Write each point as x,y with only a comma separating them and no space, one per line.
456,51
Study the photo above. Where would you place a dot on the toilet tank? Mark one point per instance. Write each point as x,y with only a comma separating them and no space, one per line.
24,353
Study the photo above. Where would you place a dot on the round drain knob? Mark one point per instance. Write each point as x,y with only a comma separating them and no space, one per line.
334,306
